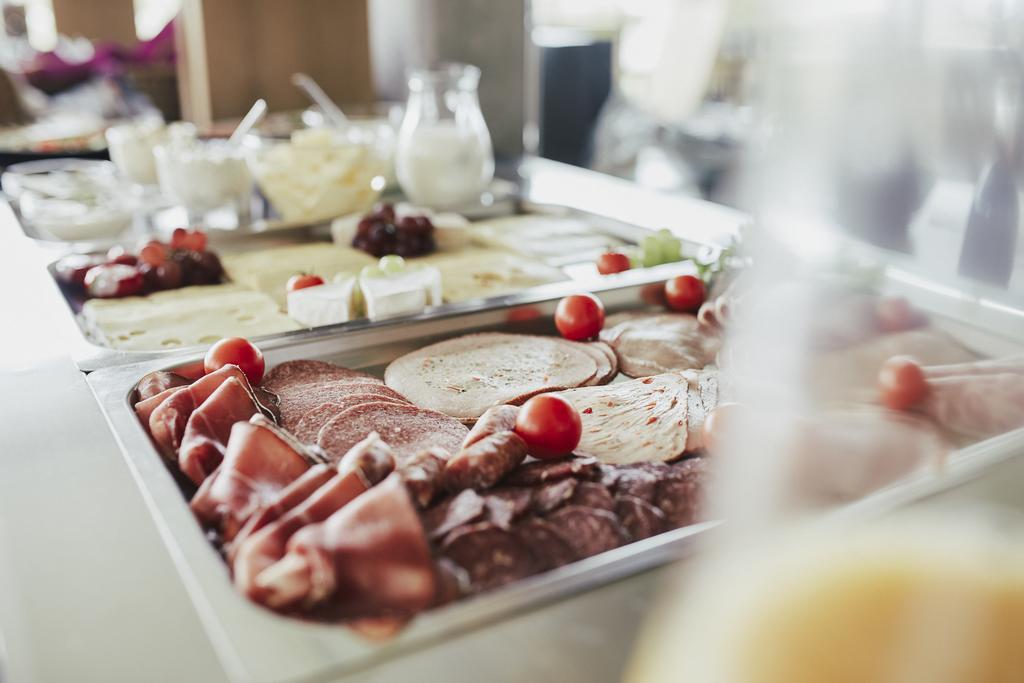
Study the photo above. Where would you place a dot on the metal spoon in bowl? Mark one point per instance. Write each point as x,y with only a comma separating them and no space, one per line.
306,84
256,112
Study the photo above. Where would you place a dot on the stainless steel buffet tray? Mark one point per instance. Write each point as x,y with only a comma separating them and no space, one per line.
613,207
257,645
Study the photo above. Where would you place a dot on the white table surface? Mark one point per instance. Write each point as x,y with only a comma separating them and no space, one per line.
88,591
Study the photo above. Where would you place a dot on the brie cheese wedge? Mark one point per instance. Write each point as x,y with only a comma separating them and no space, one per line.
327,304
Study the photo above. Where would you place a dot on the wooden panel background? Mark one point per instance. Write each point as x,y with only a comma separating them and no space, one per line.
97,20
232,52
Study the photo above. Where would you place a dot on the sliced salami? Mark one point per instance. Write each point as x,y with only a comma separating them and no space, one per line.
548,547
592,494
680,494
639,482
507,504
423,475
452,582
298,400
486,462
407,429
586,530
640,519
464,508
494,420
309,425
540,471
553,495
307,372
490,555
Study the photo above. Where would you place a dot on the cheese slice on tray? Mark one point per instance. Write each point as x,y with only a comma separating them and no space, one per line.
183,317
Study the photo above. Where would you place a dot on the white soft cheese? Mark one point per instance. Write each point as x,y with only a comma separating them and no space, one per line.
327,304
404,293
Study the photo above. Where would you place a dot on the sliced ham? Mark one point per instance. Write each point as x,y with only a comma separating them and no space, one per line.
977,406
265,547
259,462
167,421
650,344
209,426
370,558
643,420
158,382
144,408
465,376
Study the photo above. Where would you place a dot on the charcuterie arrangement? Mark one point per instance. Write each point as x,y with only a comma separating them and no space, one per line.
470,463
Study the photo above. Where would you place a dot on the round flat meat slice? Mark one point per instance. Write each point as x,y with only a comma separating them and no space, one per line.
644,420
549,549
452,582
465,508
613,360
307,372
297,400
604,366
465,376
651,344
490,555
307,428
681,493
405,428
592,494
540,471
640,519
586,530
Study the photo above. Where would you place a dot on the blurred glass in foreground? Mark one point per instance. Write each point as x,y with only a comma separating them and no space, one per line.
887,134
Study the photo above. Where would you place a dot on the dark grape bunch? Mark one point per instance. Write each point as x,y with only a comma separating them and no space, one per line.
379,233
157,266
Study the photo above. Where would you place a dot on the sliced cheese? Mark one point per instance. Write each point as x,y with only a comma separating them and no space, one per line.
477,273
183,317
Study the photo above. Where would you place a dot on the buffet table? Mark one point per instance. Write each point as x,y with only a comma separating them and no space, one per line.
89,592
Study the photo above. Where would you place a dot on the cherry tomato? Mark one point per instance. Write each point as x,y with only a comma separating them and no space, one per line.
685,293
549,425
236,351
901,383
612,262
303,280
193,240
154,253
717,424
579,316
895,314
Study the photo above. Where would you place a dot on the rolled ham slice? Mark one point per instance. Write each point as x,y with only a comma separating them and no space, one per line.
144,408
209,426
260,461
368,559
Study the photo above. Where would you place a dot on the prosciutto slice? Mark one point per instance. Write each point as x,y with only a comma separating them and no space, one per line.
369,558
260,461
209,426
167,421
311,498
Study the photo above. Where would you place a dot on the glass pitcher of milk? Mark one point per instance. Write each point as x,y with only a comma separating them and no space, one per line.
444,155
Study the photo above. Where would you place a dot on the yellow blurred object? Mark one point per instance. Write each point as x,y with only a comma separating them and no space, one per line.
904,603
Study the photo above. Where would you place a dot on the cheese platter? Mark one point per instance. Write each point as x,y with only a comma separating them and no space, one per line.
186,289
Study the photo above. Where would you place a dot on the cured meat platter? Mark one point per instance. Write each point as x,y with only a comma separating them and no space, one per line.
237,285
330,382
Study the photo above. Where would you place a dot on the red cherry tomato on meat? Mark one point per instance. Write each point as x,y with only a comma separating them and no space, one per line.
901,383
685,293
236,351
612,262
304,280
579,316
718,423
549,425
